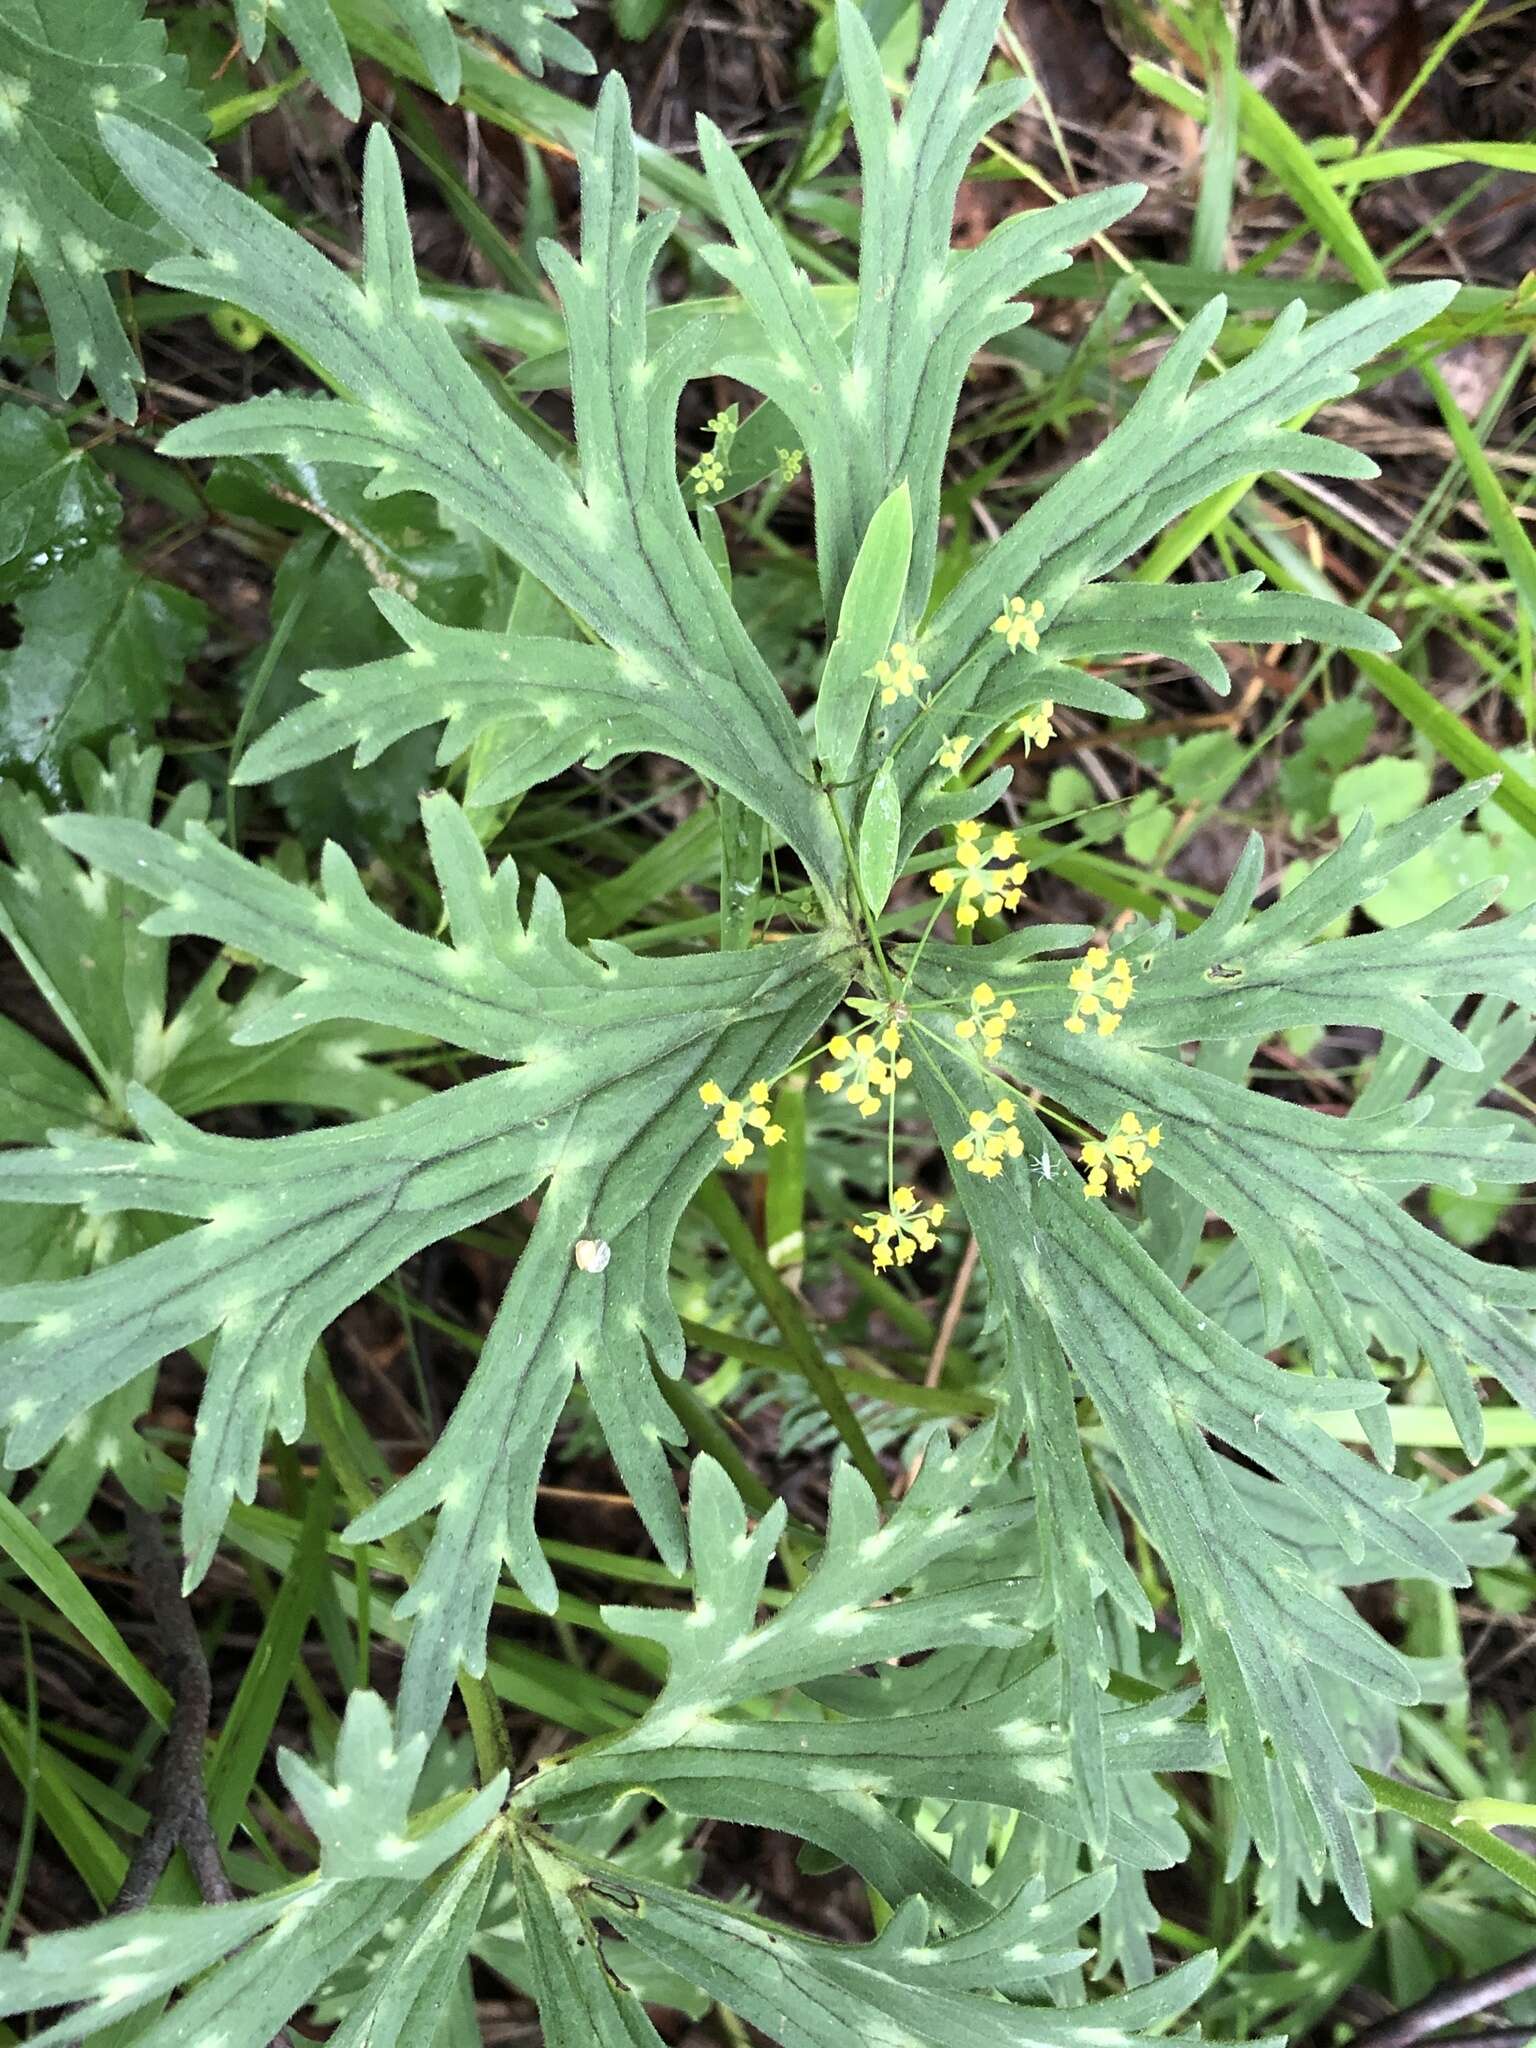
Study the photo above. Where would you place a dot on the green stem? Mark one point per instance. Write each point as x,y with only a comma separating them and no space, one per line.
1441,1817
716,1206
879,1386
707,1433
871,922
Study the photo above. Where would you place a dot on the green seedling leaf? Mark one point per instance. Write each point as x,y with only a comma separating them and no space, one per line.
880,839
866,627
530,29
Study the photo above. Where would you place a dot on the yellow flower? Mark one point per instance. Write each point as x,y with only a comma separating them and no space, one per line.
708,474
898,673
1034,725
1099,994
861,1075
991,1139
988,1019
1126,1154
899,1233
989,880
790,461
738,1119
1019,624
953,752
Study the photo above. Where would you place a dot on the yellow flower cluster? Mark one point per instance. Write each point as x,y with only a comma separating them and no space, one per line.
1034,726
989,1019
991,1140
1099,994
708,474
988,881
790,462
1126,1153
898,673
862,1075
901,1232
1019,624
953,752
737,1119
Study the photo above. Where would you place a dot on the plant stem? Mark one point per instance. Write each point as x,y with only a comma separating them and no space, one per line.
716,1206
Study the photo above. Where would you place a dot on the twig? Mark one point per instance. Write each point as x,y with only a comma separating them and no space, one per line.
1453,2002
180,1800
1490,2037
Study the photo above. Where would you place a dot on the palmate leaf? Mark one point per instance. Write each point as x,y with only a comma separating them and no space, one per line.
898,1991
879,411
598,1104
68,215
265,1958
1182,440
616,546
81,937
837,1783
531,30
542,703
1305,1193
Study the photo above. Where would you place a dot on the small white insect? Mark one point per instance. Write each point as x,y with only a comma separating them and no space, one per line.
1045,1166
593,1254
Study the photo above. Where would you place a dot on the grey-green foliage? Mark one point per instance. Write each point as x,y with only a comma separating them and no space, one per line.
596,1104
82,941
258,1961
68,214
71,219
398,1901
317,29
591,1105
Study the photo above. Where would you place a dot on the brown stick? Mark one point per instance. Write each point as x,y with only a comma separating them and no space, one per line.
180,1803
1453,2002
180,1796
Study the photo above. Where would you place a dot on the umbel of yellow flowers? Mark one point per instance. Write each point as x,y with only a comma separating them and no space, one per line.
738,1118
899,1233
1019,624
991,1139
898,673
1126,1153
988,1019
866,1070
988,881
1099,994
